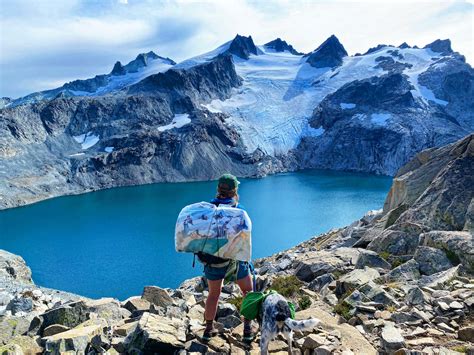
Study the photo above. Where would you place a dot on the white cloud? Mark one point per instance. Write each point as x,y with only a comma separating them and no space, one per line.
64,40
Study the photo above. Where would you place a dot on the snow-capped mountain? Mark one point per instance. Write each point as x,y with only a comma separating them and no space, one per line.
247,108
143,65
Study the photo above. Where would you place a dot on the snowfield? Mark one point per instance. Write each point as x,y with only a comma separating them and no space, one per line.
87,140
280,91
178,122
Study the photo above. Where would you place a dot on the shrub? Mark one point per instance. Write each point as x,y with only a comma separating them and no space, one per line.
287,286
343,309
304,302
236,301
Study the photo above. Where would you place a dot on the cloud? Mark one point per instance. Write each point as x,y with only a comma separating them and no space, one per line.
44,43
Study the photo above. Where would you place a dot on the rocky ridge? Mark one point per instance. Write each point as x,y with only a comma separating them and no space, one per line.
414,295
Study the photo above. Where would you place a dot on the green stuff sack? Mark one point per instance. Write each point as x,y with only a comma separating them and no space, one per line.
251,305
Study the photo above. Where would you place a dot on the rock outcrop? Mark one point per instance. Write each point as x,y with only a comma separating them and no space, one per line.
279,45
329,54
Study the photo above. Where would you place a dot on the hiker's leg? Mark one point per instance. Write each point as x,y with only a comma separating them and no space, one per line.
215,287
245,284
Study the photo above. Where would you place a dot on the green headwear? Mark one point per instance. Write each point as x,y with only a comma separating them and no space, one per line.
229,180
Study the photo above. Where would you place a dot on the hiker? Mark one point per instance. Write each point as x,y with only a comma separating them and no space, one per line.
217,269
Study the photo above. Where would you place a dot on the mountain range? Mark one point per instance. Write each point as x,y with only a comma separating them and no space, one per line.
246,108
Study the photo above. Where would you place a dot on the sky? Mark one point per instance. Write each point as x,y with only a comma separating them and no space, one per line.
44,44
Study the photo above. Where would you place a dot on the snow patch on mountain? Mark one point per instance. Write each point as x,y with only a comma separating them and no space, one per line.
178,121
380,118
346,106
87,140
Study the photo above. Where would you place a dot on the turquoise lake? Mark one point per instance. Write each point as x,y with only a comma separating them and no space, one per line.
114,242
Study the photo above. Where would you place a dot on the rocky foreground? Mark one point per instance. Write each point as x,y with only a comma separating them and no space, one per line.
398,281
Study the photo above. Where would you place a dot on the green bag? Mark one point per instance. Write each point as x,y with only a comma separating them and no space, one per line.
252,304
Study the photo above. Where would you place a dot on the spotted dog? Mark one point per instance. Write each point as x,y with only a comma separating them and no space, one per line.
275,315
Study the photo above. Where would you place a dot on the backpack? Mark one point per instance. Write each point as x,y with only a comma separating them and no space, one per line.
220,231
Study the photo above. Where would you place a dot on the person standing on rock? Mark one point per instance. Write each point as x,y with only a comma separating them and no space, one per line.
217,269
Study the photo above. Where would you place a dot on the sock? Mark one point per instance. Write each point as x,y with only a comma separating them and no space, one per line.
209,325
247,325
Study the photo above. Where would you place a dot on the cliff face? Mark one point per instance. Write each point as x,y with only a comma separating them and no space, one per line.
154,131
399,280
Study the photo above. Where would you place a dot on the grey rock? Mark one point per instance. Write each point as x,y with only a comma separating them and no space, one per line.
415,296
14,267
157,334
280,45
431,260
439,279
20,304
54,329
406,272
466,333
377,294
392,338
355,279
459,244
371,259
157,296
226,309
319,282
230,321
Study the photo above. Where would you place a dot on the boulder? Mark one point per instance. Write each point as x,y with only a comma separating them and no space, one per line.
158,296
106,308
371,259
439,279
355,279
466,333
14,267
54,329
313,341
431,260
157,334
230,321
376,293
350,337
11,326
136,305
319,282
406,272
392,338
20,345
415,296
226,309
457,244
75,340
317,264
20,304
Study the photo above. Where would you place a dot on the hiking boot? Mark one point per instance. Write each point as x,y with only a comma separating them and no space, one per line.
248,336
208,334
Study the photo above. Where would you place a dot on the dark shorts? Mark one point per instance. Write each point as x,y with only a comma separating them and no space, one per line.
218,273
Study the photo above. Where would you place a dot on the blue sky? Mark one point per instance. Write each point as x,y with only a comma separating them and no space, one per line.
46,43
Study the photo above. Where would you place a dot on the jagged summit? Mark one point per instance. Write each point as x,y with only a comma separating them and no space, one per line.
404,45
242,47
279,45
143,60
118,69
328,54
442,46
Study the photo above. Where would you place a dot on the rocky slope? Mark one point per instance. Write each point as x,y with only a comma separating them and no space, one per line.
398,281
245,108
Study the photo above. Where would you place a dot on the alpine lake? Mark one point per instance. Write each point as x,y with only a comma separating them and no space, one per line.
112,243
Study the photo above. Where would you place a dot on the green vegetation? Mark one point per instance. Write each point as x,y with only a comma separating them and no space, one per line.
343,309
397,262
287,286
304,302
384,255
391,309
460,349
236,301
451,255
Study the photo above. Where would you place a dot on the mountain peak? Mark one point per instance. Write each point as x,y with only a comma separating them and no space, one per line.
118,69
404,45
279,45
442,46
328,54
242,47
